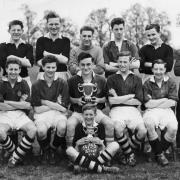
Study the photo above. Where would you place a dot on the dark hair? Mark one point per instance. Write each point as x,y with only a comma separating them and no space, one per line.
125,53
16,22
117,21
151,26
86,28
49,59
89,106
52,14
13,61
84,55
158,61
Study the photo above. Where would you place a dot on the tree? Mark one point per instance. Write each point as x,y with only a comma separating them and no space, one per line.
99,20
137,17
29,18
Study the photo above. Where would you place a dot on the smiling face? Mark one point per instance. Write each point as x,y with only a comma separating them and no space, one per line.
159,71
86,38
153,36
53,26
13,71
89,116
16,32
124,63
49,69
118,31
86,66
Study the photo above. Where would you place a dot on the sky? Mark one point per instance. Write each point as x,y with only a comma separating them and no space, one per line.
78,11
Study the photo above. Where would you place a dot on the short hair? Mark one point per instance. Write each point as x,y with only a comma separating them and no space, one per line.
153,26
52,14
124,53
86,28
16,22
117,21
13,61
159,61
84,55
49,59
89,106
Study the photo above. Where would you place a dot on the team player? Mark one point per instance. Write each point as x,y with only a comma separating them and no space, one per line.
85,87
125,95
14,100
86,37
160,94
156,49
54,44
18,49
88,150
50,100
112,48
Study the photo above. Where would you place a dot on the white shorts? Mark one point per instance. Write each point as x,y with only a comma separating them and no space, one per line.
128,116
15,119
64,75
160,117
99,116
50,118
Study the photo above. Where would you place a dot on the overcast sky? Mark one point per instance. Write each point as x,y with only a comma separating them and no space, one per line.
78,11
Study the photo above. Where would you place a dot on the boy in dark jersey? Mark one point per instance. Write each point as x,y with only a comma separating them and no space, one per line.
14,101
88,150
18,49
85,87
54,44
50,101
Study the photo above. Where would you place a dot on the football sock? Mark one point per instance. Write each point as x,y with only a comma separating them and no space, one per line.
8,144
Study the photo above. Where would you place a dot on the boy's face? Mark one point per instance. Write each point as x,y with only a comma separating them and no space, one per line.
159,71
49,69
53,25
13,71
118,31
86,38
86,66
16,32
153,36
124,62
89,116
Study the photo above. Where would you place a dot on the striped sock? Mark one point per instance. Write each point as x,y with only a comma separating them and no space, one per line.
8,144
124,144
86,162
135,142
104,157
23,148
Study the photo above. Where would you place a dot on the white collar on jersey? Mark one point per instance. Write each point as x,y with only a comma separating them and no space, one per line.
19,79
79,73
42,76
48,35
20,41
119,72
166,78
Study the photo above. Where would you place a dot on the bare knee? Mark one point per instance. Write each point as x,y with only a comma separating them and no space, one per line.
3,134
61,128
41,132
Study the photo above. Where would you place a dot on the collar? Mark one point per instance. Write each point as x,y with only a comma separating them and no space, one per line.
42,77
159,44
20,41
166,78
79,73
119,72
19,79
94,124
48,35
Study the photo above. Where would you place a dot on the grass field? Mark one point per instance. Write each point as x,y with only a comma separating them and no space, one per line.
143,171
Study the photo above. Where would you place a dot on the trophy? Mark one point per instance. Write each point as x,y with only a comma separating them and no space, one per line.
87,89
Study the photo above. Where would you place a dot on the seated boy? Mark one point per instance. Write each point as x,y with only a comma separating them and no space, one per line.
14,99
88,150
160,94
50,99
